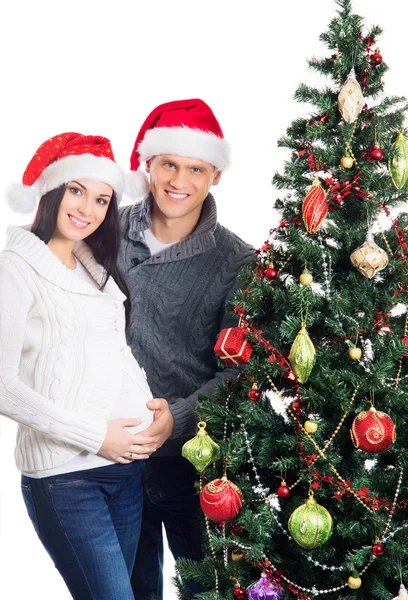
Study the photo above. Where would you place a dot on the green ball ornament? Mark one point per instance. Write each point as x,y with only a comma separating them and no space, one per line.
311,524
201,450
398,162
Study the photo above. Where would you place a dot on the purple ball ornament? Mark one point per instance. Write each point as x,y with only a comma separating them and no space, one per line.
265,589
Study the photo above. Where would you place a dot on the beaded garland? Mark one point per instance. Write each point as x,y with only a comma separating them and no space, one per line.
263,492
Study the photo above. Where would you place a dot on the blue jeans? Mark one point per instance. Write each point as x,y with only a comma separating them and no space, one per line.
89,523
171,499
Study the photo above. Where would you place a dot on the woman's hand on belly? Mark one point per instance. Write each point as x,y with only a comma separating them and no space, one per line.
124,447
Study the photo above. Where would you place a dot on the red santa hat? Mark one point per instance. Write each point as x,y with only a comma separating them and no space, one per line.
70,156
184,128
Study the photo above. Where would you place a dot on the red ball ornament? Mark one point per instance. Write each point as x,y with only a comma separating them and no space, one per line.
373,431
239,593
376,153
283,491
377,550
376,58
221,500
271,273
254,395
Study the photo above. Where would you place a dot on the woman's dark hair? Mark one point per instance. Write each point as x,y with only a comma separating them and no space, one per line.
104,241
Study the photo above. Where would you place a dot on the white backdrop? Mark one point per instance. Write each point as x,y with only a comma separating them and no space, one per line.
100,67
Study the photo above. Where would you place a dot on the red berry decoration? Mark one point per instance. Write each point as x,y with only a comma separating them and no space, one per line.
297,407
314,207
271,273
373,431
283,490
289,374
239,593
376,153
221,500
376,58
377,550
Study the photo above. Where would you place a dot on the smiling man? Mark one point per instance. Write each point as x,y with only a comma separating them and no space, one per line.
181,267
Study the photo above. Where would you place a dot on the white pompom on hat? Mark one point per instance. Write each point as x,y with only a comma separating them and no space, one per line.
66,157
184,128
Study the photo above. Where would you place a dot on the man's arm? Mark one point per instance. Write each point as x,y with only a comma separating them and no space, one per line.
178,418
183,409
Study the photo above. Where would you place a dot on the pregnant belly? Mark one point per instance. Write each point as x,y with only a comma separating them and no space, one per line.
132,402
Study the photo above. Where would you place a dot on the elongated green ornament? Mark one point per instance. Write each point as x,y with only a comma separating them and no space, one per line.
302,355
201,450
398,162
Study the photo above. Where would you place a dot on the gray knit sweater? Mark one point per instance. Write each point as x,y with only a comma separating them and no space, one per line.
178,301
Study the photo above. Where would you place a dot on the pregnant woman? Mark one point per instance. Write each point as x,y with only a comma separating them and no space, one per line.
67,376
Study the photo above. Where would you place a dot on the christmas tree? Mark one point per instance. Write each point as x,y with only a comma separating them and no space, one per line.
303,481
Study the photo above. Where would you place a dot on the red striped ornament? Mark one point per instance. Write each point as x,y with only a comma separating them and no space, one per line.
221,500
314,207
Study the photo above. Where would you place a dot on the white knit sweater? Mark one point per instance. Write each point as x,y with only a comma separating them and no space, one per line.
60,346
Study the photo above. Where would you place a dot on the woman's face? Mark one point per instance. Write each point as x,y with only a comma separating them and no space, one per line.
83,208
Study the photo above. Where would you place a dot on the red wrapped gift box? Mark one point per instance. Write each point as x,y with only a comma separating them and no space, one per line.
232,346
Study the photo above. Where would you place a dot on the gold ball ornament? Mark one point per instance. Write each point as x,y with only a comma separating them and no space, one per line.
237,555
306,278
347,161
310,426
355,353
369,258
354,582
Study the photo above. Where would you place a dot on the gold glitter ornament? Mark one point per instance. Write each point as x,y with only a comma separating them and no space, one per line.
354,581
310,426
237,555
306,278
369,258
347,161
355,353
201,450
402,594
350,101
302,355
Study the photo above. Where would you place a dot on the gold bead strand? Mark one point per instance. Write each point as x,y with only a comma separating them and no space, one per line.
398,377
318,449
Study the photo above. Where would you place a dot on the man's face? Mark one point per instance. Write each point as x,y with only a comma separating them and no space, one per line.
180,185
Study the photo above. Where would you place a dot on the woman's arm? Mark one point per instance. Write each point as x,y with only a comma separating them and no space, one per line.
17,400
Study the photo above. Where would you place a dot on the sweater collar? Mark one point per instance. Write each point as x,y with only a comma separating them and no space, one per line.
38,255
201,240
